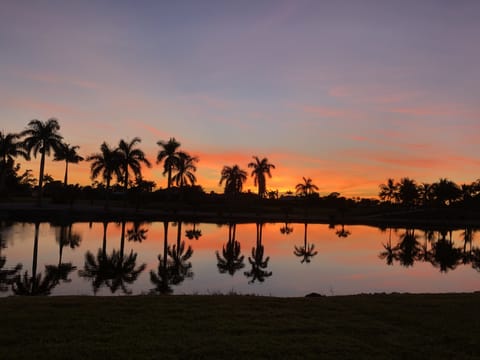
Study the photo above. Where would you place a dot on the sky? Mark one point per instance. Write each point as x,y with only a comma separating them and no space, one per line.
347,93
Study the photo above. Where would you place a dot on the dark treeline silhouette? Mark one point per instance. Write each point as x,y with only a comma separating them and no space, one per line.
117,180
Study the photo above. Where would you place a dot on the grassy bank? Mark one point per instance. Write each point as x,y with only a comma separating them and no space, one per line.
241,327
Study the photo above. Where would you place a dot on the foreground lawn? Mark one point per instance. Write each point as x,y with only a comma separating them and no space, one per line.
241,327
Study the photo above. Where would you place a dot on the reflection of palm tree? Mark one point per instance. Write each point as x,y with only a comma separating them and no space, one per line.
42,137
444,254
67,153
306,252
234,178
232,259
169,155
260,168
408,249
259,265
8,276
124,271
37,284
181,268
286,229
467,235
162,278
193,233
389,252
107,163
342,233
137,233
185,170
96,269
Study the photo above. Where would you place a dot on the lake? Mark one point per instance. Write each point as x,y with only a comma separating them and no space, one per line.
275,259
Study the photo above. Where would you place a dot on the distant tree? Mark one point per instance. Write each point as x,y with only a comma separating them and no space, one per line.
389,191
408,191
67,153
446,192
131,158
107,163
234,178
42,137
169,154
185,170
10,148
260,169
307,188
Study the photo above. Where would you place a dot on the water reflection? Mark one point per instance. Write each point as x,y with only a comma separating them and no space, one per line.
258,264
307,251
231,259
438,249
115,271
118,258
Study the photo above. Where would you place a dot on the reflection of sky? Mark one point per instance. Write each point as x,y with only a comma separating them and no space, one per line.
347,93
342,266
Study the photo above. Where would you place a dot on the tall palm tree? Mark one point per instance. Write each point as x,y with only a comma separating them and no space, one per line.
260,168
108,163
306,188
169,154
234,178
257,261
162,278
131,158
137,233
185,170
10,148
67,153
42,137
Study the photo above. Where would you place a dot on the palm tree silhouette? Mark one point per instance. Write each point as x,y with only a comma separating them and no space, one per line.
181,267
8,275
444,254
259,265
342,233
306,188
124,271
162,279
185,170
137,233
169,155
389,252
306,252
234,178
231,259
108,163
37,284
42,137
260,168
389,191
193,233
286,229
131,158
408,248
67,153
10,148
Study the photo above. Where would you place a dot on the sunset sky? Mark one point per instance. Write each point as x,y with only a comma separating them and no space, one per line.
348,93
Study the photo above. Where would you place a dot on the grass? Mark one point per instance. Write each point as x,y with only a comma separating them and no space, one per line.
241,327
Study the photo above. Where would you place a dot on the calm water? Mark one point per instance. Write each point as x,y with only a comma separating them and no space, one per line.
268,259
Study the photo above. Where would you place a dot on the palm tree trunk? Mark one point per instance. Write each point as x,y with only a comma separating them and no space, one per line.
165,243
169,177
122,240
107,191
104,242
66,174
40,180
179,234
305,237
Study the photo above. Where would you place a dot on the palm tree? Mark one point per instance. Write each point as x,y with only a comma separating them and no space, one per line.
169,155
234,178
342,233
8,276
389,191
306,252
408,248
42,137
131,158
67,153
162,278
446,192
444,254
306,188
10,148
193,233
231,259
107,162
260,168
137,233
258,263
185,170
389,253
408,191
286,229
